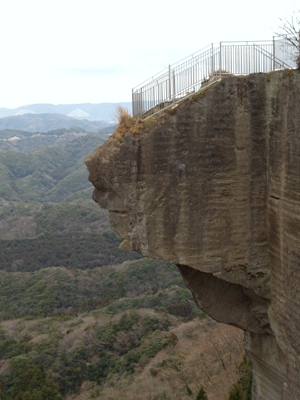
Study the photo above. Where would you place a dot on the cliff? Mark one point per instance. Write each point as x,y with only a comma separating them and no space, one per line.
214,187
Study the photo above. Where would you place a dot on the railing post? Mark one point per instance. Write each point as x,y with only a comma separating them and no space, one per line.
140,101
220,60
170,93
173,87
273,66
132,100
193,74
212,59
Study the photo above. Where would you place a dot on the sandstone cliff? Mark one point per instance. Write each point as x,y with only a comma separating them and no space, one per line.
214,187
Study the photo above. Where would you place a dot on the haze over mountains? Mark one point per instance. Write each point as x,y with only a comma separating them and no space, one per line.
43,118
92,112
48,122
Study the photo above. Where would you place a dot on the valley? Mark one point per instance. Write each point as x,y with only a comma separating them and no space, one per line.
79,317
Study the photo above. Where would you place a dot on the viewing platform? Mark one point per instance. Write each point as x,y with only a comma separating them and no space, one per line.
207,66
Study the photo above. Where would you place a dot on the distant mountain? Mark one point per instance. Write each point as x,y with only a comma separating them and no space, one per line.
48,122
92,112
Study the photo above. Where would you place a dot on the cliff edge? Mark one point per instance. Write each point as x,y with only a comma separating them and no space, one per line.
214,186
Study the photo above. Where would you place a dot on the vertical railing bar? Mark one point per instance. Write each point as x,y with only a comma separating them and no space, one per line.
220,60
242,58
274,54
173,87
169,82
212,58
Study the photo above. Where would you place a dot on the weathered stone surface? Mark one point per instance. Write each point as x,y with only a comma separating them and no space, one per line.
215,188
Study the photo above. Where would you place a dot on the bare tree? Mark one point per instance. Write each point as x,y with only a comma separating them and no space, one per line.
290,31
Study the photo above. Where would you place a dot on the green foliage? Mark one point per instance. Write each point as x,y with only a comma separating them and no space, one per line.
61,291
116,347
45,122
153,372
78,250
81,215
75,216
173,339
242,389
201,394
28,382
46,174
148,340
9,133
188,390
11,348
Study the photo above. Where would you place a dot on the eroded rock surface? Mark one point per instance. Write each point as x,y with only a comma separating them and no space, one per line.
215,188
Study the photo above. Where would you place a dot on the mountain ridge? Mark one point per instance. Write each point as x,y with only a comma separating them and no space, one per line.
96,112
49,121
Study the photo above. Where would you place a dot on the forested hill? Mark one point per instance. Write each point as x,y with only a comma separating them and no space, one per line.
80,318
47,216
24,141
45,173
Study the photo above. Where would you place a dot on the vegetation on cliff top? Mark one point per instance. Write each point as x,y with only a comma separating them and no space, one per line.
127,123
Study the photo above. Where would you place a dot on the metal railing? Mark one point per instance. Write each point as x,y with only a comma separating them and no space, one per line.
207,66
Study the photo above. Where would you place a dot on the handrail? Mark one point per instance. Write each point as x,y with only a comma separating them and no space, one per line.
209,64
162,72
276,60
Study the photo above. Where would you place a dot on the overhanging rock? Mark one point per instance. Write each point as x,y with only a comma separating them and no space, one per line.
214,187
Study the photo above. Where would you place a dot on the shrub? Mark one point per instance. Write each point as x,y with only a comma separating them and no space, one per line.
201,394
28,382
127,123
242,389
153,371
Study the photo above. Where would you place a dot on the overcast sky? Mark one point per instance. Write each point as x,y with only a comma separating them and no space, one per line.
94,51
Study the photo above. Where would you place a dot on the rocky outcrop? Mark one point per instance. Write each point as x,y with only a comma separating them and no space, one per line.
214,186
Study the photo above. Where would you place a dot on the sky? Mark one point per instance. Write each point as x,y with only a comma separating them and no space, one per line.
96,51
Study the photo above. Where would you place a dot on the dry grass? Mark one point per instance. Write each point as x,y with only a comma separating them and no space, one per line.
207,354
127,123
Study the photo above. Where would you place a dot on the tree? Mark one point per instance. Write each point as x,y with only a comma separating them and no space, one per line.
242,389
290,31
30,381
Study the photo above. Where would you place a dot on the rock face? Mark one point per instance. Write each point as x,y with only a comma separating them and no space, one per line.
214,186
